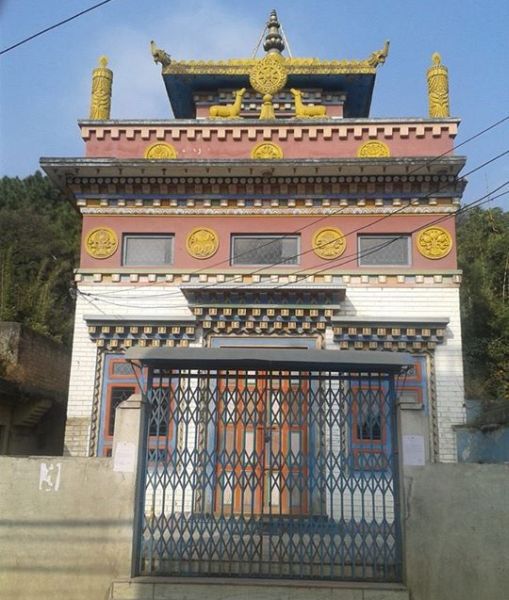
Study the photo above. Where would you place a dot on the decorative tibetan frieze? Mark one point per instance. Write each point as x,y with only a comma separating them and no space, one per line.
120,335
382,334
434,242
265,311
373,149
161,151
101,242
329,243
267,151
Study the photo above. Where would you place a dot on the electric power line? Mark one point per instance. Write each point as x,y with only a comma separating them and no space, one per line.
474,204
354,231
31,37
340,210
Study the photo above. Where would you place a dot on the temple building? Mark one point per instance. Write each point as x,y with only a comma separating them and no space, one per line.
275,271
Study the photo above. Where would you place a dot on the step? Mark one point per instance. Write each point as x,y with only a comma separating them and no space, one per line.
178,588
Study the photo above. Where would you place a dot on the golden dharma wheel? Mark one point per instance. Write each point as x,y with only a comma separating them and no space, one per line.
269,75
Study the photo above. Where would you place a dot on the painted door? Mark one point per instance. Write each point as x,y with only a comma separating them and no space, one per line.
262,444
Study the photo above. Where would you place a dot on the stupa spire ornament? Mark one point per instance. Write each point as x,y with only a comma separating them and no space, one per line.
269,75
102,80
273,40
438,88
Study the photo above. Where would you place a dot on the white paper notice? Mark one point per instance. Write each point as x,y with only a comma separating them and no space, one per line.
124,459
413,450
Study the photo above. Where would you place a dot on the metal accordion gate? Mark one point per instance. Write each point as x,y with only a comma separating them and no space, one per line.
269,466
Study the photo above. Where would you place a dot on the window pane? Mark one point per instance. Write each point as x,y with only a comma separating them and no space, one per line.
383,250
123,368
144,250
265,250
118,395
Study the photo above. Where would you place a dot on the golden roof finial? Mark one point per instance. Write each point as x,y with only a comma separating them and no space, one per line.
102,80
273,40
438,88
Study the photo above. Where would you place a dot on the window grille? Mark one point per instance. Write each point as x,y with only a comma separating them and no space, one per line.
141,250
384,250
265,250
270,474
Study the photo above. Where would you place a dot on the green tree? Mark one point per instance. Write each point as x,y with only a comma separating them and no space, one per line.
39,246
483,255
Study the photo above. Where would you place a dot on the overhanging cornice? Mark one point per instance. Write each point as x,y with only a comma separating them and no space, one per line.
59,169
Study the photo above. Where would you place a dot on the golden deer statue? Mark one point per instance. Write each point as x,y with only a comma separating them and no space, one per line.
228,111
306,111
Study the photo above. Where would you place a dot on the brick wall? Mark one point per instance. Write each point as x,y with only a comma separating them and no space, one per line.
402,302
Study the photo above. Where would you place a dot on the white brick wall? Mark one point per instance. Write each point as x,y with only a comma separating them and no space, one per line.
418,302
403,302
149,301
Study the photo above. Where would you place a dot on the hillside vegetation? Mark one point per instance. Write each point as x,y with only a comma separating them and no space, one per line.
39,245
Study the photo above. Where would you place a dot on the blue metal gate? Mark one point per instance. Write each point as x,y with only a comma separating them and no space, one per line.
270,473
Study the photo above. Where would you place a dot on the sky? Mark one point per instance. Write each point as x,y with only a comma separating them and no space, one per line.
45,84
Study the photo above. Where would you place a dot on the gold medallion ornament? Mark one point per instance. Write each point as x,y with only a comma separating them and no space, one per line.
329,243
101,242
267,151
202,242
373,149
269,75
161,151
434,242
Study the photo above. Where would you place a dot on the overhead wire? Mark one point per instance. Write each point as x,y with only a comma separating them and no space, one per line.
474,204
262,268
51,27
424,164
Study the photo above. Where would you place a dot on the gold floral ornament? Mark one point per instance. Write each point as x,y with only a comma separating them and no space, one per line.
202,242
267,151
434,242
329,243
373,149
101,242
161,151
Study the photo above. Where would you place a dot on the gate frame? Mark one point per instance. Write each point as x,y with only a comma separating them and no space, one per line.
268,359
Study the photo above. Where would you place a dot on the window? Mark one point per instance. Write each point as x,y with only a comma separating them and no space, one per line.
265,249
384,250
147,250
117,395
